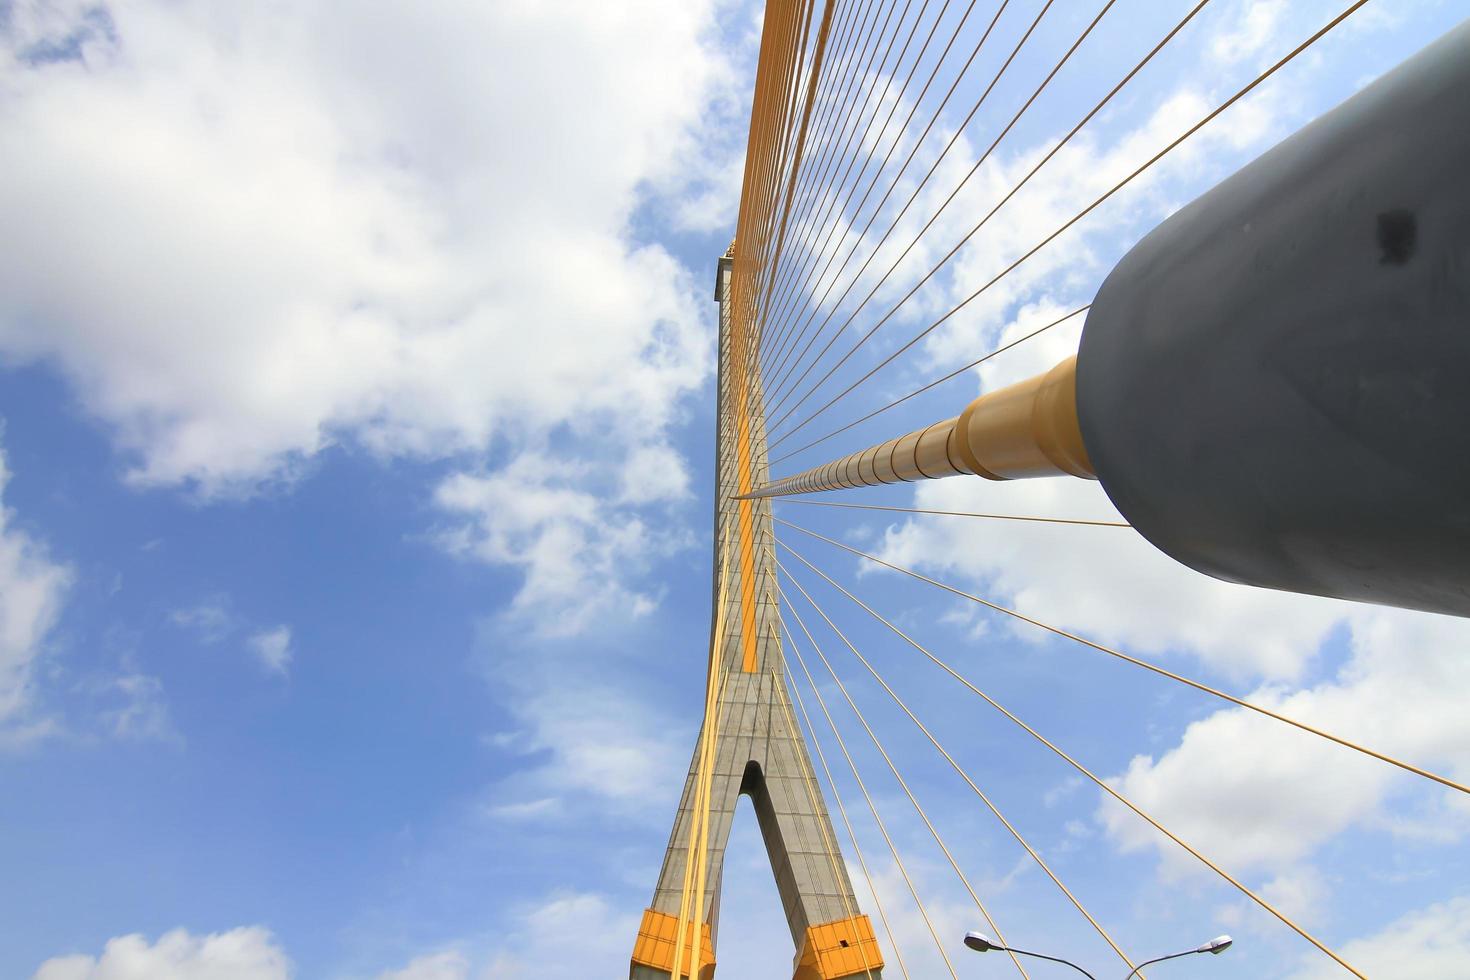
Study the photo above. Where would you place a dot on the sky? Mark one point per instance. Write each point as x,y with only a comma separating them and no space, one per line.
356,470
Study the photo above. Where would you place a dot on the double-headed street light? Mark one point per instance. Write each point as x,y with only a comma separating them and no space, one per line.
982,943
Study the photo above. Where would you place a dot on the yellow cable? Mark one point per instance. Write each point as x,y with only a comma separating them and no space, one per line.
1058,232
903,784
1127,658
809,780
780,301
702,869
1102,784
959,130
787,287
852,837
862,236
936,382
821,703
955,765
714,681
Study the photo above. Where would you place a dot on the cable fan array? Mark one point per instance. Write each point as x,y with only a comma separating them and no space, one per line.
876,125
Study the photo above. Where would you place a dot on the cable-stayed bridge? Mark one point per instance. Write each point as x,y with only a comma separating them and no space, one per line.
1271,387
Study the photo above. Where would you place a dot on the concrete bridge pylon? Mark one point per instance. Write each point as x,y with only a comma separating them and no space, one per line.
750,743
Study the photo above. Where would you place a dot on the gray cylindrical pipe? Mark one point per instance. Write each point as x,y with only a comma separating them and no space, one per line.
1274,385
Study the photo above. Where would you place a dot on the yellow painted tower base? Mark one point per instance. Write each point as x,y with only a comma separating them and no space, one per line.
845,948
655,947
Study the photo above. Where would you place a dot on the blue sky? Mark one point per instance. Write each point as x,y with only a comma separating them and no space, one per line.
357,384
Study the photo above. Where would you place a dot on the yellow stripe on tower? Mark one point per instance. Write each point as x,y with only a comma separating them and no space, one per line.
745,513
747,550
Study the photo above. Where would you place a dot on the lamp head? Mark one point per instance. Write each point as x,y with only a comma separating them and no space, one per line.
979,942
1217,945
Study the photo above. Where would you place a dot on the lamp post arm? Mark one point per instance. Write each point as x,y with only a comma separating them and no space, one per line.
1043,956
1160,959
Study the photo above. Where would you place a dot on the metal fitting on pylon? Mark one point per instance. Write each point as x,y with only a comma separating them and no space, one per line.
1023,430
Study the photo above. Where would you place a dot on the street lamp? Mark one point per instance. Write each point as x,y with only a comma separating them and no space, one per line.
1215,946
982,943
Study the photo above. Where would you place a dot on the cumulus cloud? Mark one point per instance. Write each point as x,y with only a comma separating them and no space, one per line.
326,238
247,235
576,549
1285,793
247,953
32,590
532,939
534,936
654,473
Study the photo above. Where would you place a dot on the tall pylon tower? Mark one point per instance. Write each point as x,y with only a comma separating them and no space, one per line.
750,744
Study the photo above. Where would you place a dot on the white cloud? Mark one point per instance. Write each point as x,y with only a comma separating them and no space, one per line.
947,907
134,707
353,227
273,647
1079,174
1428,944
534,937
247,953
528,810
40,31
1300,892
608,752
576,549
1254,795
1089,580
1257,25
1064,272
211,620
714,207
1249,791
1108,584
706,194
214,621
32,589
654,473
536,940
245,235
448,965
